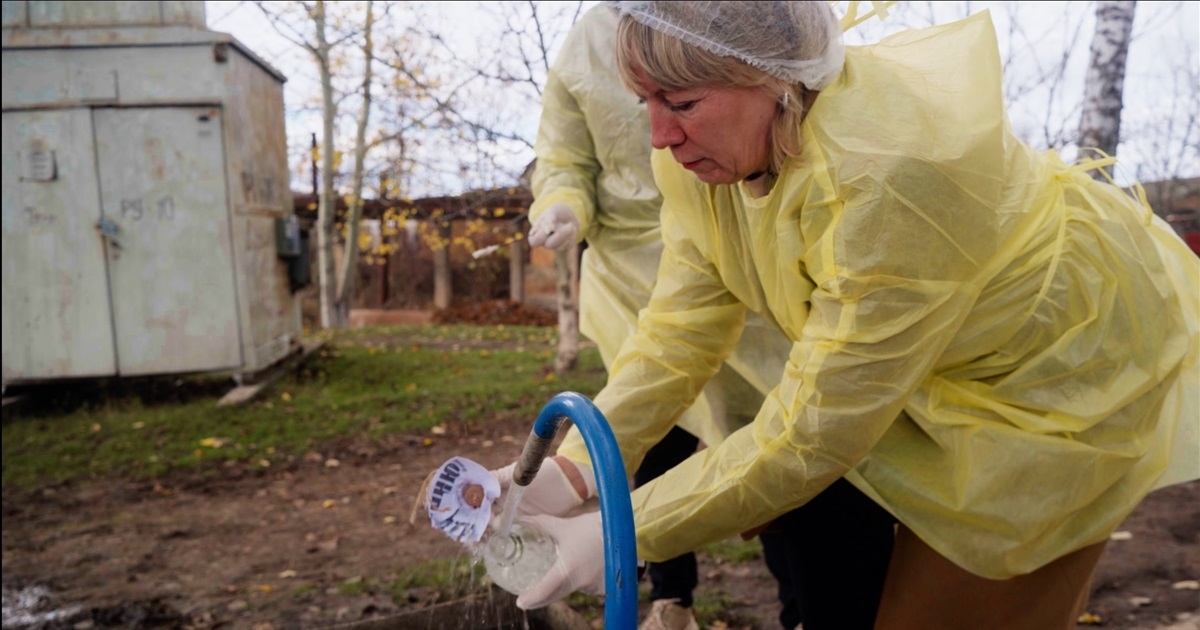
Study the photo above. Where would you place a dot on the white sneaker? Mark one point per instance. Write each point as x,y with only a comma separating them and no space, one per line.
667,614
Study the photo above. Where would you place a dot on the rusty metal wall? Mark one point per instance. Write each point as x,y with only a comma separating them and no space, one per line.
77,14
260,193
188,174
162,183
57,322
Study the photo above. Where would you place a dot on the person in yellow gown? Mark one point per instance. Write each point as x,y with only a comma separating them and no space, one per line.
990,345
593,181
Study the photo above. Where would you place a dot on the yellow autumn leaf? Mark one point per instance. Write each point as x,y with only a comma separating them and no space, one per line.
96,427
1090,619
411,387
213,442
285,396
328,503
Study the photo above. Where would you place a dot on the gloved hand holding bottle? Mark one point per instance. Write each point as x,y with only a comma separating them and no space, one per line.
579,565
556,228
560,487
549,524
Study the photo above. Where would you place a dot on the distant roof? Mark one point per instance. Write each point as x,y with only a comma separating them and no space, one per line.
498,203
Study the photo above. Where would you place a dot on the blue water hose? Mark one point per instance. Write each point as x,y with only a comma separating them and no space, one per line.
616,509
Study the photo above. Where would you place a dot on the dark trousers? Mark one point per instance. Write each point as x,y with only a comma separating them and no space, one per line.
830,557
676,578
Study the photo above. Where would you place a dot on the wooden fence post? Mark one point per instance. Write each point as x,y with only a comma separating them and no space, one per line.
441,268
516,271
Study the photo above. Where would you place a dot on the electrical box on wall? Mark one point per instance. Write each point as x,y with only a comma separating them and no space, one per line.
287,237
299,266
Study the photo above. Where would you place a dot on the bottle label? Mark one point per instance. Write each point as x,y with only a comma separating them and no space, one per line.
459,499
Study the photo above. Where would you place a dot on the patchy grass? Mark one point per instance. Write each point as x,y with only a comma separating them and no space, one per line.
374,382
438,580
591,608
712,605
304,592
735,550
532,336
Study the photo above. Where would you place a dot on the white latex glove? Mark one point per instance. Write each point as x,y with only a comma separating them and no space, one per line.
551,491
557,228
580,563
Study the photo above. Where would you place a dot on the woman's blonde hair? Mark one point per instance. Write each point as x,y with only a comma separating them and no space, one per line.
674,65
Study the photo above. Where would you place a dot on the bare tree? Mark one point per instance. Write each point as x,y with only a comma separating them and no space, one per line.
1100,122
526,45
307,25
349,274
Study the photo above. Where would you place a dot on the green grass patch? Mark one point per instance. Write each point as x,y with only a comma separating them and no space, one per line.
589,607
735,550
355,586
304,592
438,580
374,382
711,605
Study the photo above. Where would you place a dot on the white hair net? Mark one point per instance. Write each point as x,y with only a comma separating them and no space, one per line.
800,42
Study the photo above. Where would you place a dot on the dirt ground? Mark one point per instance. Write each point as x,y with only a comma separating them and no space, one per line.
270,549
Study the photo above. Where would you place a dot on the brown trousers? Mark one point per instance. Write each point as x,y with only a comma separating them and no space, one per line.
925,591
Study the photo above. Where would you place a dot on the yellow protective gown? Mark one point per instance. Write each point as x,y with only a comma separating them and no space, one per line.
593,152
996,348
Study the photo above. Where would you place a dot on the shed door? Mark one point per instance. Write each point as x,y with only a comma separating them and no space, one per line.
162,183
55,293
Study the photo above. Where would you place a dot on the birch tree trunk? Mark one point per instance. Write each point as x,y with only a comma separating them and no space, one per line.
1100,122
326,205
566,264
349,274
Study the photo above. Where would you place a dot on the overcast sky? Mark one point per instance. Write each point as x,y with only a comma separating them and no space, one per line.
1166,36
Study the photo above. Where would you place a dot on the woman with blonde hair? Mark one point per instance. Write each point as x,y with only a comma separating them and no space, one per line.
992,347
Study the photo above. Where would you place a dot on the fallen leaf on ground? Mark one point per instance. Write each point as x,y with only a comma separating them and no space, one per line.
1187,585
1090,619
1120,536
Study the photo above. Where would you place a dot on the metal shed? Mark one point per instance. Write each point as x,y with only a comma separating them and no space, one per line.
147,218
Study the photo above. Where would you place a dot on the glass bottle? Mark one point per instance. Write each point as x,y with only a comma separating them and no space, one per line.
519,560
